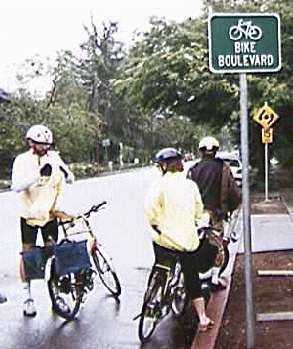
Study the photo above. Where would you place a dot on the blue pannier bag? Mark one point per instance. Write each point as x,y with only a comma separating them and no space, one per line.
71,257
34,263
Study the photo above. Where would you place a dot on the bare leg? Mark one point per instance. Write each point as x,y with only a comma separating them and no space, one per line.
25,247
29,308
204,321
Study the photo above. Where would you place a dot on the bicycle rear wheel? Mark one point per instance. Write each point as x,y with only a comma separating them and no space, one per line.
151,309
226,259
66,294
106,273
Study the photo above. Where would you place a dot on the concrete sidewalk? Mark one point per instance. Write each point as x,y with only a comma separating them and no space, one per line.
272,232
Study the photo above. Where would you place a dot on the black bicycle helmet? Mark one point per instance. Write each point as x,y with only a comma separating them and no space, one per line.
167,154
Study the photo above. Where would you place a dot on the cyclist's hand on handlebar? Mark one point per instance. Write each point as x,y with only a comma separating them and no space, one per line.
63,216
94,208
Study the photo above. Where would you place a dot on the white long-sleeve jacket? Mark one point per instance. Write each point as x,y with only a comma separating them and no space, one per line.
38,195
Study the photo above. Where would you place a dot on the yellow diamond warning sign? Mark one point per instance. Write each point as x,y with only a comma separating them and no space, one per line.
266,117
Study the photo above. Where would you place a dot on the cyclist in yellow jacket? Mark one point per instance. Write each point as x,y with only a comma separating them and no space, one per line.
173,207
38,175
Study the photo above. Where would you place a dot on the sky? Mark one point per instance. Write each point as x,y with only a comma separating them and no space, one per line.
43,27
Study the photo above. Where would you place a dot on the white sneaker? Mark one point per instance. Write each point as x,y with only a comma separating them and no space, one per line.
3,299
29,308
61,305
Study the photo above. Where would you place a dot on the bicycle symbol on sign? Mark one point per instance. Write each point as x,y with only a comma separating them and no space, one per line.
246,29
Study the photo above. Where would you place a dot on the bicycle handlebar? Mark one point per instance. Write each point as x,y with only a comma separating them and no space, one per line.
94,208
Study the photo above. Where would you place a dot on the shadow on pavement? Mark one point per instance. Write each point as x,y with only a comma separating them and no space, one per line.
174,333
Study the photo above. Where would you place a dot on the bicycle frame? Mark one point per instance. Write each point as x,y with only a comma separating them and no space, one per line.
169,277
159,298
68,225
80,282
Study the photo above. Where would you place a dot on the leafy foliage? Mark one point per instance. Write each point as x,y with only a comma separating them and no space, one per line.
158,93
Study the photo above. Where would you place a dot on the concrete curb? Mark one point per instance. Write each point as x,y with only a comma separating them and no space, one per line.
286,204
217,306
215,310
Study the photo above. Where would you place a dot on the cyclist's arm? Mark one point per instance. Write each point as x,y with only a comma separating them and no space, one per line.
199,208
234,188
22,177
230,193
61,215
58,198
153,207
69,176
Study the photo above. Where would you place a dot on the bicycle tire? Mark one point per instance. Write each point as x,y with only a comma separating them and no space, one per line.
106,273
226,260
179,297
150,314
75,295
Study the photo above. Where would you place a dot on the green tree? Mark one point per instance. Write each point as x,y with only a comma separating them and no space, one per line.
166,73
96,68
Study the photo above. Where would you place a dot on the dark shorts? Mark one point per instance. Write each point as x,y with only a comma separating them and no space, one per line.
191,262
29,233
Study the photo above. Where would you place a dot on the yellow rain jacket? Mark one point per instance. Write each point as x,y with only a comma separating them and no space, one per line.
174,205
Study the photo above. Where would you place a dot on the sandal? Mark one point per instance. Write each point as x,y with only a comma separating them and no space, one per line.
206,326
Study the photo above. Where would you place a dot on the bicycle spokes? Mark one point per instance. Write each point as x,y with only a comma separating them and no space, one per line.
66,293
106,273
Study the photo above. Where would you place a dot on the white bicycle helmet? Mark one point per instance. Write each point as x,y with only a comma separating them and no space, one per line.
40,134
167,155
209,143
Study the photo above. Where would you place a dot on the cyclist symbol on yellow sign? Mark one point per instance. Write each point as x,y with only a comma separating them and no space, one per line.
265,116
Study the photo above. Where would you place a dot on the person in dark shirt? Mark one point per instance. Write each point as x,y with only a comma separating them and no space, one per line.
219,192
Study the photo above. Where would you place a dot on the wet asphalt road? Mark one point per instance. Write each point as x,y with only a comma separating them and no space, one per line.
103,322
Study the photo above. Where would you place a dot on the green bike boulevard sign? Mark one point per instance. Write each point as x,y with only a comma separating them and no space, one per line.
244,43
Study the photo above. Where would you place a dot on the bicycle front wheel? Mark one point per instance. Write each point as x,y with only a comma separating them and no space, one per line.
106,273
66,294
178,297
151,309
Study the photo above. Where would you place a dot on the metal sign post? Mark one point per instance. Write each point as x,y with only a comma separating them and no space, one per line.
266,173
250,318
266,117
245,43
106,143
